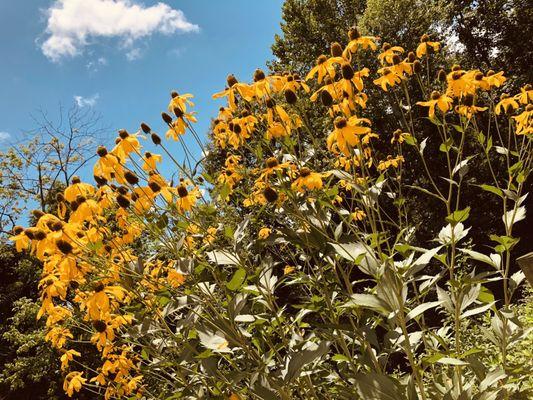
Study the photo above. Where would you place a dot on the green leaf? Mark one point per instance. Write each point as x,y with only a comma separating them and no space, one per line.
446,145
479,257
492,189
300,359
340,358
367,301
237,280
458,216
374,386
415,312
451,361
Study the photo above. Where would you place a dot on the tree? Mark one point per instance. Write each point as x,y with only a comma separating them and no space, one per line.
47,158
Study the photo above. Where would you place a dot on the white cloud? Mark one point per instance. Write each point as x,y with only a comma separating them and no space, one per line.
134,54
95,65
4,136
86,101
73,24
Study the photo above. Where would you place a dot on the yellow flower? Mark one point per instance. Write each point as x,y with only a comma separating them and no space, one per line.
67,357
387,78
347,134
264,233
186,198
506,103
460,82
21,240
324,67
288,269
358,215
175,278
468,108
73,383
150,161
398,136
444,103
424,45
524,121
388,52
180,101
390,162
357,41
179,125
307,180
526,94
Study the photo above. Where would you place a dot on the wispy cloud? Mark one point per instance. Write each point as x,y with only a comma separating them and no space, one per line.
86,101
74,24
94,65
4,136
134,54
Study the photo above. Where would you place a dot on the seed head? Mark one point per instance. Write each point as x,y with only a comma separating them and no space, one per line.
336,49
145,128
290,96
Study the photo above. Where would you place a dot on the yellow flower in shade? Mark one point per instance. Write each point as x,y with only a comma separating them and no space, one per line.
524,121
399,137
67,357
526,94
442,101
58,336
468,108
494,79
347,134
388,52
425,45
150,161
307,179
358,42
506,103
387,78
358,215
73,383
390,162
175,279
288,269
264,233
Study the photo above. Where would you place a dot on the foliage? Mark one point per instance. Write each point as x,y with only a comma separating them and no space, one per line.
298,275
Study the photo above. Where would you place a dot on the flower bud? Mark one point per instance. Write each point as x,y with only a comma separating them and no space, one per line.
182,191
411,57
102,151
290,96
231,80
64,246
155,139
270,194
441,76
145,128
353,33
123,201
326,98
271,162
259,75
336,49
167,118
131,178
417,67
347,71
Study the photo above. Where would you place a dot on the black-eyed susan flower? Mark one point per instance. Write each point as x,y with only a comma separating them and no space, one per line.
468,107
347,134
506,104
73,383
358,42
425,45
388,52
387,78
307,179
442,101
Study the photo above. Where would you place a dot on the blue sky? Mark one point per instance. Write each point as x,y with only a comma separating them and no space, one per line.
124,60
